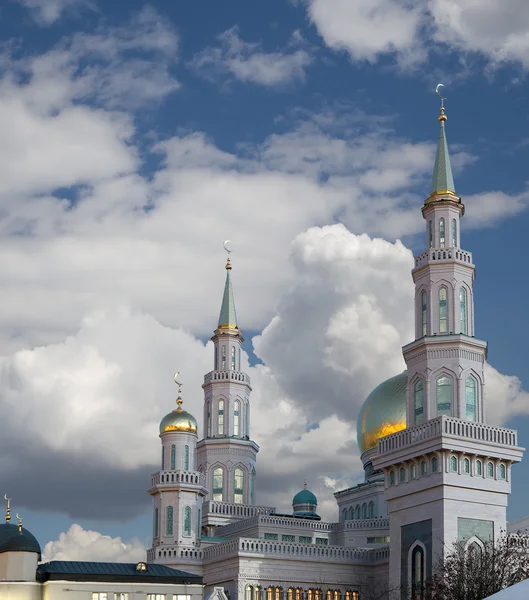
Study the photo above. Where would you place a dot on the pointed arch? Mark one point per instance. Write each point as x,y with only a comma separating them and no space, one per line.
169,518
156,522
237,418
351,513
358,512
417,569
418,401
186,458
208,418
442,296
471,398
502,471
173,457
218,484
424,313
444,387
454,233
463,310
371,510
442,233
364,511
187,521
238,485
252,486
344,514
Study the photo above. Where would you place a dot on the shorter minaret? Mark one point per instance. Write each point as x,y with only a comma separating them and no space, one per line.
177,491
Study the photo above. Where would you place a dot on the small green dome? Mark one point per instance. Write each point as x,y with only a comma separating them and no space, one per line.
13,540
305,497
383,412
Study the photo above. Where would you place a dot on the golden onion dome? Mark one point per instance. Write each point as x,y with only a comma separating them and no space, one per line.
383,412
179,420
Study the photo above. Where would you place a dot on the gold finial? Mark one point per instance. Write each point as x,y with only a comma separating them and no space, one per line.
8,508
179,400
442,117
228,263
19,523
305,485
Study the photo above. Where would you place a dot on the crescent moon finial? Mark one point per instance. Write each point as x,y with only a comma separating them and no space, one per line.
442,116
225,246
440,85
19,517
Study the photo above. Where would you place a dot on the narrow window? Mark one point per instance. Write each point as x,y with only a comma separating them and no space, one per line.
238,486
269,593
371,510
364,511
402,475
233,358
344,514
454,233
199,522
169,520
208,408
490,470
423,467
299,593
218,477
236,418
441,232
252,486
220,418
417,572
479,467
223,358
173,457
430,235
501,472
163,458
216,357
392,478
187,520
453,464
156,522
463,311
359,510
434,464
249,593
424,314
466,465
418,394
470,398
290,595
186,458
413,471
444,395
443,310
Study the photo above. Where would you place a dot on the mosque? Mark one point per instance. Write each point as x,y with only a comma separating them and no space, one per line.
435,472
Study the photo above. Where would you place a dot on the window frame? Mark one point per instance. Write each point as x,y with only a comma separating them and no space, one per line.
444,313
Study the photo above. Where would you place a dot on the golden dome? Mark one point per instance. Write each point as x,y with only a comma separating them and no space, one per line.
383,412
179,420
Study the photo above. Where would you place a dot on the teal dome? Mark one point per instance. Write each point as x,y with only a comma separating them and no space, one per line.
305,497
383,412
13,540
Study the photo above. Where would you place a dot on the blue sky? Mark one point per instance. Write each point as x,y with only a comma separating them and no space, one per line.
137,137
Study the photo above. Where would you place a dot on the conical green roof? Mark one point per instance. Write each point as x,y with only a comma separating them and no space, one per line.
227,317
442,180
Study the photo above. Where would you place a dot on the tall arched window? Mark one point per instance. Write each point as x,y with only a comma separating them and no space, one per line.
443,395
344,514
270,593
463,321
470,398
413,471
163,458
352,513
371,510
441,232
402,475
237,418
187,520
220,418
223,358
502,471
156,522
238,487
423,467
299,594
490,469
169,520
186,458
453,464
290,594
392,478
233,358
310,594
173,457
434,464
443,309
249,592
418,400
424,314
430,234
208,410
216,357
364,511
218,476
358,511
417,572
252,486
466,465
454,233
479,467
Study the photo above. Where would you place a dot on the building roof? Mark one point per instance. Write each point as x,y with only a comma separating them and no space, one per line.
112,572
519,591
227,317
442,179
13,540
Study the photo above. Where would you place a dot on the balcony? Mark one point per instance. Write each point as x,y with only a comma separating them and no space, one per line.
235,510
170,477
440,255
226,376
173,552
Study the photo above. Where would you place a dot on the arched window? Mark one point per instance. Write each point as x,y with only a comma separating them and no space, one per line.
402,475
364,511
443,394
430,234
163,458
252,486
186,458
218,476
434,464
423,467
173,457
454,233
216,357
220,418
463,321
443,309
418,398
310,594
233,358
453,464
317,594
441,232
392,477
417,572
208,408
328,595
237,418
344,514
270,593
238,487
413,471
424,314
371,510
249,593
490,469
336,595
156,522
358,511
502,471
187,520
290,594
299,594
470,398
466,465
479,467
352,513
223,358
474,551
169,520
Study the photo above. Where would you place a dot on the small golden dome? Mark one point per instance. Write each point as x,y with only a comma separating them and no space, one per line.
179,420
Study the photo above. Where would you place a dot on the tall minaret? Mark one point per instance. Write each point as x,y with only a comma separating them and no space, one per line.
448,474
177,492
227,455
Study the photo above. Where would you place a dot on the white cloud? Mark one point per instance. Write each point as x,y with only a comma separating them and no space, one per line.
49,11
248,62
85,545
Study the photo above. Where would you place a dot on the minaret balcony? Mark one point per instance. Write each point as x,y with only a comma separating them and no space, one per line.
226,376
177,476
443,255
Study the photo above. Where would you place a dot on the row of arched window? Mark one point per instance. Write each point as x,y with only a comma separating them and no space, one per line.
444,387
442,234
238,485
223,352
256,592
221,422
169,521
188,458
414,471
366,511
442,300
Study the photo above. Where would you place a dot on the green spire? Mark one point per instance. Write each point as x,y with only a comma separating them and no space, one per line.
442,180
227,317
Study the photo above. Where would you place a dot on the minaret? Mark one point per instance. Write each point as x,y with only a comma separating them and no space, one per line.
227,455
177,492
447,476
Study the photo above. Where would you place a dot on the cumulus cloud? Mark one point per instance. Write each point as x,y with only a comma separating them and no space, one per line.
82,544
248,62
47,12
